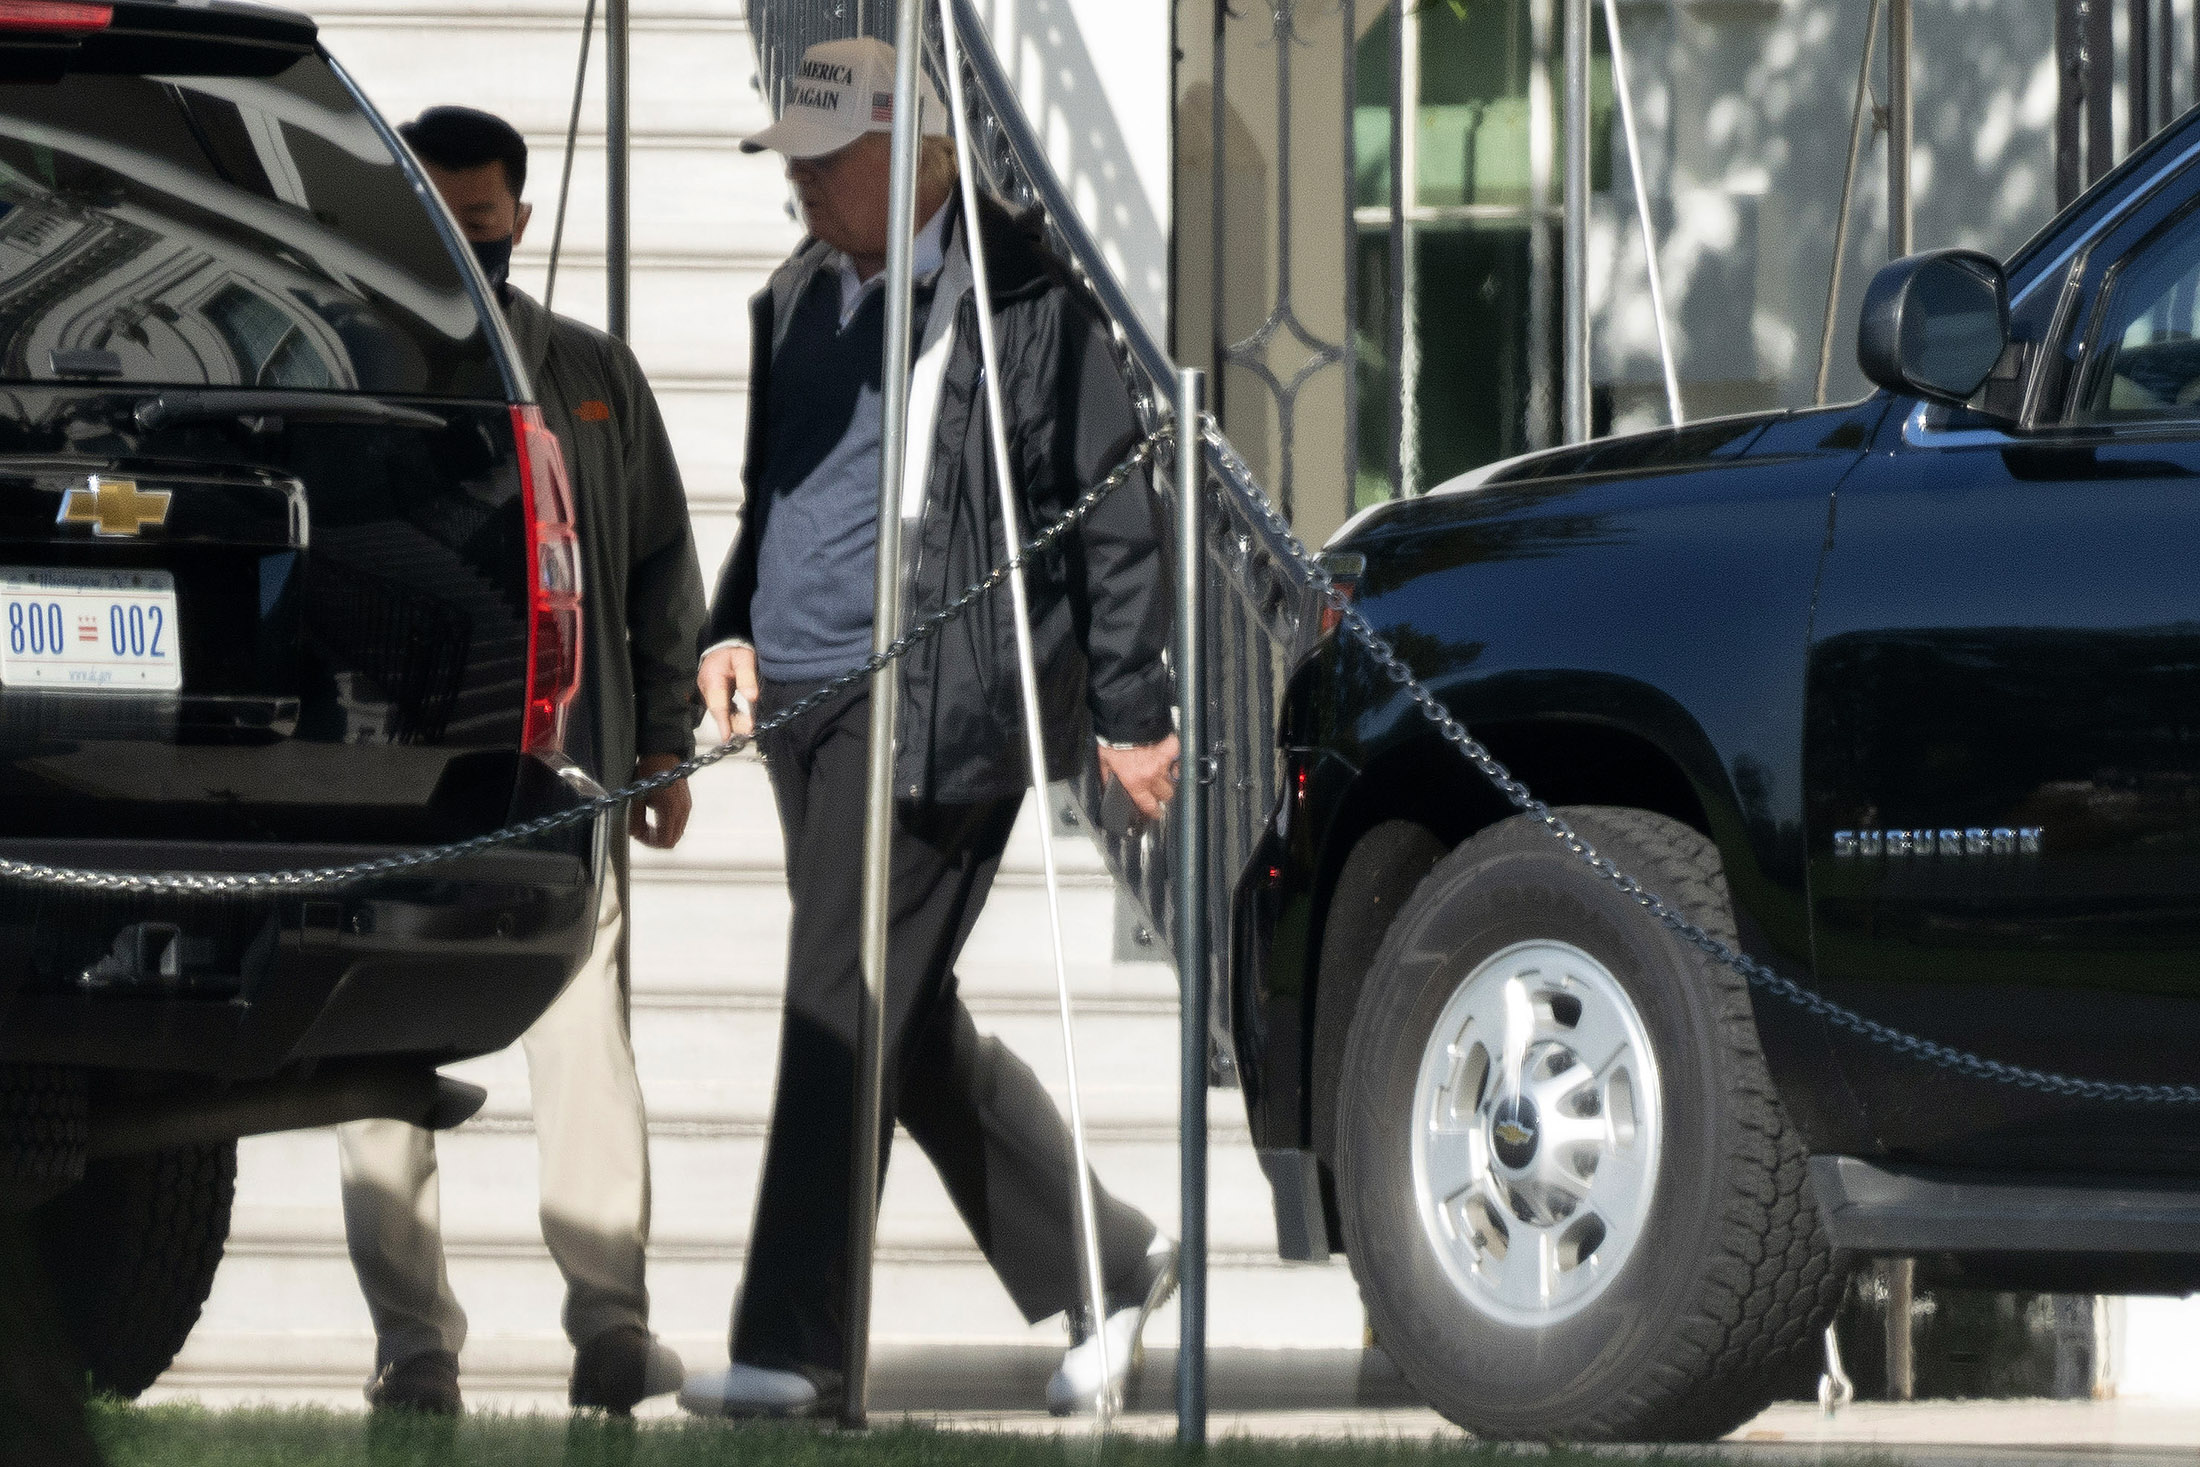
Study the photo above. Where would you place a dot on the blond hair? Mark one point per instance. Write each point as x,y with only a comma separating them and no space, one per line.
937,168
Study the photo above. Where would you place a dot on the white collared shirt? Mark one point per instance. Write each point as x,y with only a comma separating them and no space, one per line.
930,246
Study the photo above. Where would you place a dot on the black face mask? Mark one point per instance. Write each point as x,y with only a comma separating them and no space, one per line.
495,256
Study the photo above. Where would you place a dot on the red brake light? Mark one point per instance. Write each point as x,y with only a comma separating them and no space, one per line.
553,584
54,15
1344,574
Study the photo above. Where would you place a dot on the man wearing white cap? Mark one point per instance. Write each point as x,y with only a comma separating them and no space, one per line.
793,610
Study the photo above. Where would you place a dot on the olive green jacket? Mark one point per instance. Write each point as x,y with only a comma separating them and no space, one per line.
641,586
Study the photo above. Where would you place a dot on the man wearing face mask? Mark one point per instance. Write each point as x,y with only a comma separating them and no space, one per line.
633,716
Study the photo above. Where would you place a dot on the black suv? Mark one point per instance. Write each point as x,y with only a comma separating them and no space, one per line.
287,579
1903,697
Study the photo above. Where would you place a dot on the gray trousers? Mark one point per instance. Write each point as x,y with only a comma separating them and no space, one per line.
594,1146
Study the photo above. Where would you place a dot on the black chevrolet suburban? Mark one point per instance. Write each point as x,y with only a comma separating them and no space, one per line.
287,579
1903,698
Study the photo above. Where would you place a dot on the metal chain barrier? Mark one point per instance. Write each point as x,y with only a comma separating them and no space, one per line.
1961,1061
212,883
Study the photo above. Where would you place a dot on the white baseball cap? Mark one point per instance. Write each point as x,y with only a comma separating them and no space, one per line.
842,90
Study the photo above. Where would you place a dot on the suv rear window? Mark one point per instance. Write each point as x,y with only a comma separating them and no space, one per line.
222,231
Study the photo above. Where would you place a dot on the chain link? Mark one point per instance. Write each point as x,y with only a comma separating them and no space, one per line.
1948,1057
217,883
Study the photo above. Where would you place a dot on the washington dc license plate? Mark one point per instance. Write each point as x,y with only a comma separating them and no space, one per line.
95,630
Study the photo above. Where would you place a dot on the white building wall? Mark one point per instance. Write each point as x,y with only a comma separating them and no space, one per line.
1093,76
1744,112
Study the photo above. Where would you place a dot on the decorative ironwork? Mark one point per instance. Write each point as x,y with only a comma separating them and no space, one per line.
1250,353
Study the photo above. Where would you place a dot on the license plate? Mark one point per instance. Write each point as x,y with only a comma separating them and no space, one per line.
93,630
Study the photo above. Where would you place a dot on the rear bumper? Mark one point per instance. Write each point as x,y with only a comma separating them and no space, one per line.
455,960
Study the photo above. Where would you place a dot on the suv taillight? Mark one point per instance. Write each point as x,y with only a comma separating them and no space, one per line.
1345,570
54,15
553,586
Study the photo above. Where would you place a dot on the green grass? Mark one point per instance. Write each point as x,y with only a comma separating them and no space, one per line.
189,1436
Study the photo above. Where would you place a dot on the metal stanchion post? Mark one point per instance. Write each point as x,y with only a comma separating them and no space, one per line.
1899,117
1848,200
618,188
1574,251
1035,737
1542,280
565,171
1642,212
1901,1328
878,817
1189,819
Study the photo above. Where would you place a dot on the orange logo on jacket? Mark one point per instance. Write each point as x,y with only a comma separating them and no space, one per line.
594,410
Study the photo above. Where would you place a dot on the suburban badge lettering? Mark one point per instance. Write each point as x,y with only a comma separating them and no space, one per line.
1970,840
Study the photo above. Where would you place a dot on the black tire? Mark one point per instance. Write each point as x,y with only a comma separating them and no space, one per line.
1730,1281
44,1125
131,1253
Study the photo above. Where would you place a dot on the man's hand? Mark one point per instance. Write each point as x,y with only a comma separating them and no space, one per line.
659,820
725,672
1147,773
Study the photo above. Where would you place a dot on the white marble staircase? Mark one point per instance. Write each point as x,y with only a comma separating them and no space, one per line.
709,943
285,1320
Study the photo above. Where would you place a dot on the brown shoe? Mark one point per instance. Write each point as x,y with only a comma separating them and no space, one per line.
426,1383
622,1367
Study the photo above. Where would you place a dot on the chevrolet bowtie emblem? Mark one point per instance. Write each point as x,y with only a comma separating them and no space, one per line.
1512,1133
113,507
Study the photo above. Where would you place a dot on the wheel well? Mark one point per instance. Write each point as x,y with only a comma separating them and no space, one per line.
1414,806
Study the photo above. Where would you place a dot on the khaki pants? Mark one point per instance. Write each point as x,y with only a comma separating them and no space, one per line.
593,1139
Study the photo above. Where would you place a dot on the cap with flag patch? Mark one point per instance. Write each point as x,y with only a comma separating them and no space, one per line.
842,90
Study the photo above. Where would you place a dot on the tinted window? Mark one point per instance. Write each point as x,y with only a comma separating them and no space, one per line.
2146,351
222,231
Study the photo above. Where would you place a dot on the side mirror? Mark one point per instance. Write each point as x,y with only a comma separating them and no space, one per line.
1934,324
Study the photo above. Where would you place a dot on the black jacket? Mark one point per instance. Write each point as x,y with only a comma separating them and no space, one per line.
1100,602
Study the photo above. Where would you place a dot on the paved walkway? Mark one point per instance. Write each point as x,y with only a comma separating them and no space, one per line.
1316,1393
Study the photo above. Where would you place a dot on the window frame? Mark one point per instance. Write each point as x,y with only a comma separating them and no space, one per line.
2069,372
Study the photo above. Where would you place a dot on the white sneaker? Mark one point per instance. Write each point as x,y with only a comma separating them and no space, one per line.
1075,1388
749,1390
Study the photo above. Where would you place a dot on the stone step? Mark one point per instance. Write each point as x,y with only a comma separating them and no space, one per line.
551,13
736,828
707,420
716,1060
711,916
513,1293
703,1192
695,939
691,71
695,198
709,920
689,322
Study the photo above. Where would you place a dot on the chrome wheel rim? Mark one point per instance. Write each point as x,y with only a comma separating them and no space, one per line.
1536,1133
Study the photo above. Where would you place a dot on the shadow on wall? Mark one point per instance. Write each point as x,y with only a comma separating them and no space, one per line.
1746,182
1982,172
1043,47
